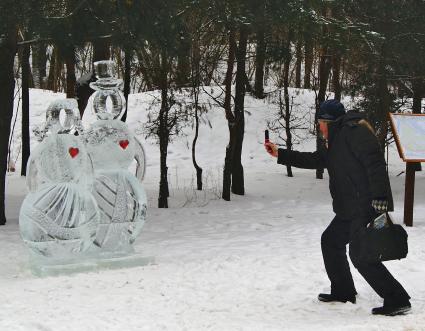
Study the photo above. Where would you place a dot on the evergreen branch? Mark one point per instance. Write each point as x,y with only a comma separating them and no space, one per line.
72,13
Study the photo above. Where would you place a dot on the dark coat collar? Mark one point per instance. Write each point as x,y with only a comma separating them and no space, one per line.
351,118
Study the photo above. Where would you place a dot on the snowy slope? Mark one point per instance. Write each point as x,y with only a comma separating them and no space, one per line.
250,264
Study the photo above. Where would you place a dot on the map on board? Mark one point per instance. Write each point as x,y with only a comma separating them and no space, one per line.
409,133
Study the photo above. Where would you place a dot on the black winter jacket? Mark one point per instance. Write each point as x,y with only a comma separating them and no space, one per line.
355,163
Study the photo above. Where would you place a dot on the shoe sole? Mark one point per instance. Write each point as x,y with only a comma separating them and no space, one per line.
400,311
330,301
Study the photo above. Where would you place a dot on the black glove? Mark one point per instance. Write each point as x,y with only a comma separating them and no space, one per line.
380,205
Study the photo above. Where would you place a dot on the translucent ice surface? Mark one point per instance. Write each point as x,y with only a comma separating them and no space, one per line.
59,220
121,145
59,158
59,216
62,116
113,147
84,204
119,194
122,203
107,87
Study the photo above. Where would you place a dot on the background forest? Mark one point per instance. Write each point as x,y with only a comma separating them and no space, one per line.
373,51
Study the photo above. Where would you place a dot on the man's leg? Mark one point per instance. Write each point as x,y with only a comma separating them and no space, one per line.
383,283
334,241
379,278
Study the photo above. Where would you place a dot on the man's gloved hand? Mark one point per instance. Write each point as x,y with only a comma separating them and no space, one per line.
271,148
380,205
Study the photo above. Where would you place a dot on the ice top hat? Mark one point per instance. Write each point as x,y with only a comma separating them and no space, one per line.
107,86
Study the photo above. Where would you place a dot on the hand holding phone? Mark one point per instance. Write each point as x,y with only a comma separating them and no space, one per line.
271,148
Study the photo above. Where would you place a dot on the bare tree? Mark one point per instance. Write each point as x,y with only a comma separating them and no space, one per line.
8,47
227,171
25,63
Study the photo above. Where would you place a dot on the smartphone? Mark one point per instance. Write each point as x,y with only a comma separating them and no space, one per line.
266,136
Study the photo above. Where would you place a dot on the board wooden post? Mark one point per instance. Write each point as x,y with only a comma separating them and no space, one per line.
409,135
409,193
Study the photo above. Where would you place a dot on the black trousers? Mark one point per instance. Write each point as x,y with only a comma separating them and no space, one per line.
334,241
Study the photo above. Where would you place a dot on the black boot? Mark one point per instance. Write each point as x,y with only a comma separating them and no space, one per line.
388,310
334,298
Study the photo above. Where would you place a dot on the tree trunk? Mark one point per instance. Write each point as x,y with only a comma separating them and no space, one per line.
418,87
55,70
196,81
25,108
227,171
101,50
39,68
384,104
286,66
183,63
298,59
248,87
195,164
51,79
260,59
8,46
336,73
308,60
324,72
144,66
127,80
163,136
69,57
238,183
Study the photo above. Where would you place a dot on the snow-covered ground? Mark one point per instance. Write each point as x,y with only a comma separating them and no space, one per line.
250,264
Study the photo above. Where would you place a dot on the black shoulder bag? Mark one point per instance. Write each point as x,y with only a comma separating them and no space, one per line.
371,245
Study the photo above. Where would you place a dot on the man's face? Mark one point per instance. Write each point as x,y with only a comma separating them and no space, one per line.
324,128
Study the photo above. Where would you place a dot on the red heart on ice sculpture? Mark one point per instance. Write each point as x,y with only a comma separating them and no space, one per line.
73,151
124,143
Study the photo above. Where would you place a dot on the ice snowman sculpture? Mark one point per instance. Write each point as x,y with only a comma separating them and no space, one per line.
59,216
112,147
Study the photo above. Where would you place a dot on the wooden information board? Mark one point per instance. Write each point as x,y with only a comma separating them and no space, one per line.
409,135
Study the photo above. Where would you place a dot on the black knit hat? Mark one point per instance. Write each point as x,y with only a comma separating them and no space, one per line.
331,110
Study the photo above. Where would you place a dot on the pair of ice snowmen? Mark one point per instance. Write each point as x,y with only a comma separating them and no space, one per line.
83,200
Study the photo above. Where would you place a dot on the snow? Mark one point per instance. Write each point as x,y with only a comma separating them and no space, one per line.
250,264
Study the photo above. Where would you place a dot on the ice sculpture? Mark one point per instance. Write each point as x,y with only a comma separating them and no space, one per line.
112,147
84,208
59,216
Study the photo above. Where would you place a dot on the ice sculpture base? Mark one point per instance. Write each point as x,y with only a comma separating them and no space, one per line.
42,267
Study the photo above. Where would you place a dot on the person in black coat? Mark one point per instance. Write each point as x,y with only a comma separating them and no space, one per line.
360,190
